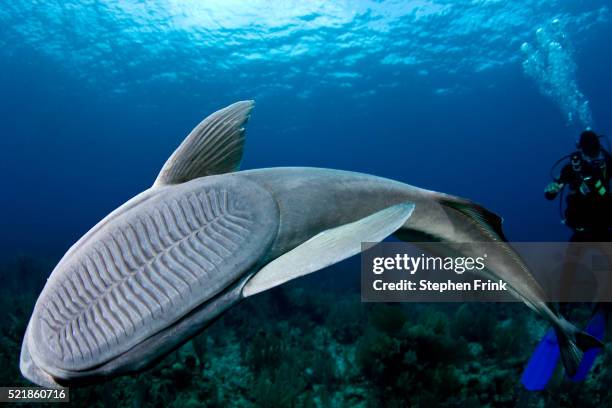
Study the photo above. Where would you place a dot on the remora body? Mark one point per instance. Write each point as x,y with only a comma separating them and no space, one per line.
157,270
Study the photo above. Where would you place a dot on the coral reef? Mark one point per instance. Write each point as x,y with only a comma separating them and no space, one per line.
301,346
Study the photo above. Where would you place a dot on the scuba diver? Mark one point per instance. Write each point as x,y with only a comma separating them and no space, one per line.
588,213
589,201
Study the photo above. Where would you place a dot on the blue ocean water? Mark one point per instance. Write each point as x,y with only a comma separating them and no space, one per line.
476,98
445,95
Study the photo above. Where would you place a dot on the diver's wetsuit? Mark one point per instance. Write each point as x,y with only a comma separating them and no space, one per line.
588,213
589,202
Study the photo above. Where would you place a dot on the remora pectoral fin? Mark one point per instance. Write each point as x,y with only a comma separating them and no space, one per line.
329,247
215,146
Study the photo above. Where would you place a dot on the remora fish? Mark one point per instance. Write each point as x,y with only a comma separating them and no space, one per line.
158,269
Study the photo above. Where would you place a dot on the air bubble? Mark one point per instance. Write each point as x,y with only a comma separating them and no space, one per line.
525,47
541,36
550,63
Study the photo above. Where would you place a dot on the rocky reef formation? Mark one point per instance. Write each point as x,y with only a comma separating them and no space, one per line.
312,344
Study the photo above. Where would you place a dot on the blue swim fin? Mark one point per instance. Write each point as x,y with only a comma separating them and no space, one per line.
542,364
597,329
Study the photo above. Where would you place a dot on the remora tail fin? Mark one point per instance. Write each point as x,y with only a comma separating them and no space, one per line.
596,328
572,344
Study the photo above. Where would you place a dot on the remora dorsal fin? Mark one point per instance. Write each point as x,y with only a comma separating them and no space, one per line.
487,220
213,147
329,247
